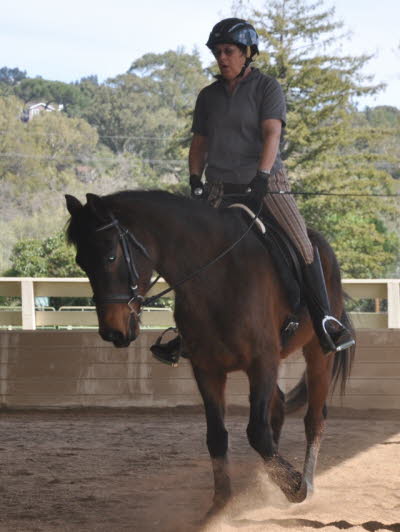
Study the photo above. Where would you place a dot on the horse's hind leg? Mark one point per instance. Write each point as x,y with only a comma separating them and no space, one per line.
319,369
262,378
212,387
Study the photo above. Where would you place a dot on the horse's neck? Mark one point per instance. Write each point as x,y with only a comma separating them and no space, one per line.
180,243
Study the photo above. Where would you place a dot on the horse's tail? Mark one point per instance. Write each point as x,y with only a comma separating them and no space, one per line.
297,397
342,363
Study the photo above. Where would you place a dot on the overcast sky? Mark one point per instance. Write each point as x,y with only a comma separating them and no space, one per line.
69,40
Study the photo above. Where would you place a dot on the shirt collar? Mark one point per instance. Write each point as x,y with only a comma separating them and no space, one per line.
254,73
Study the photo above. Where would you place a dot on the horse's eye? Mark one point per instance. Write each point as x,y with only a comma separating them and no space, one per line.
111,258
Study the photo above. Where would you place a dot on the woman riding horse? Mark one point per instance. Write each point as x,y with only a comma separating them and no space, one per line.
237,130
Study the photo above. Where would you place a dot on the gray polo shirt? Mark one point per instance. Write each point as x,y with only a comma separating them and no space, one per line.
232,124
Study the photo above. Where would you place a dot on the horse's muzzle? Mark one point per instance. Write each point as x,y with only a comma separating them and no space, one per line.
117,324
117,337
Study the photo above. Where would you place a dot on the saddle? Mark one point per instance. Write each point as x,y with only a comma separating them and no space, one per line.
284,254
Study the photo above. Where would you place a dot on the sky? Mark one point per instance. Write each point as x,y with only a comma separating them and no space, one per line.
66,41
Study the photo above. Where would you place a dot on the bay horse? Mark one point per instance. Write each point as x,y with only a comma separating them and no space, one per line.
230,315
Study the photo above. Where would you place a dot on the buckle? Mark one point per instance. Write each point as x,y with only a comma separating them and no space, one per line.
291,327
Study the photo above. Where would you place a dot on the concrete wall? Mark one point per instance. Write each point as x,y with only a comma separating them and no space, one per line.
47,369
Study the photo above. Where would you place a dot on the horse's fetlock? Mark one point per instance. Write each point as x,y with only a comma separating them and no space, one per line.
217,443
261,441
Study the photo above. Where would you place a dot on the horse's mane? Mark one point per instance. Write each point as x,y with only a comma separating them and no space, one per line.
152,200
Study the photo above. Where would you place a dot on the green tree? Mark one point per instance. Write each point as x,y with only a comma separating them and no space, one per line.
323,148
40,156
38,89
146,110
51,257
386,118
47,157
11,76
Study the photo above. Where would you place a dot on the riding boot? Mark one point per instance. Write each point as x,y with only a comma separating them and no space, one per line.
332,334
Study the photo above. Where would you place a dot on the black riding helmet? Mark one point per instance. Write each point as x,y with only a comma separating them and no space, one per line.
234,31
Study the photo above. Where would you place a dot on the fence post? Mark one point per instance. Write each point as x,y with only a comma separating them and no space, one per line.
28,304
393,295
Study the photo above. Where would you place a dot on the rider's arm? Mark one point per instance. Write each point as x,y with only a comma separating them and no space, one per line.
197,154
271,133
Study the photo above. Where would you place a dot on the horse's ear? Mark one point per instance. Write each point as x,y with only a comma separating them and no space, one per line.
96,205
73,204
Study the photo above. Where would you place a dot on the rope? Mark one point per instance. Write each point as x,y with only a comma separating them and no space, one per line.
352,194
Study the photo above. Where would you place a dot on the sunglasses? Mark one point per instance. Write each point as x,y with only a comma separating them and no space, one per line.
228,50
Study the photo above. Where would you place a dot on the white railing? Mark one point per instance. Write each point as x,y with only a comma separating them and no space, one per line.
28,316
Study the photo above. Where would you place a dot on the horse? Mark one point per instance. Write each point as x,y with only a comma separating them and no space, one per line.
229,315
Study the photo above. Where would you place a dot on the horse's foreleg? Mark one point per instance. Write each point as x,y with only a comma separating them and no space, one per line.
319,369
262,437
277,414
212,388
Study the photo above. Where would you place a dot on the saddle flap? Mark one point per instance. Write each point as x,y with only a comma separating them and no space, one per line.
282,251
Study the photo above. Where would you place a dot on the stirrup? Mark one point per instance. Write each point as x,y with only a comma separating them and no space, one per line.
338,345
162,352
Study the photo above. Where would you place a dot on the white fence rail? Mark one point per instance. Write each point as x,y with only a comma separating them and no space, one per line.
28,316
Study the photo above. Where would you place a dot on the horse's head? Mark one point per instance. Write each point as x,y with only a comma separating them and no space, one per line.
116,263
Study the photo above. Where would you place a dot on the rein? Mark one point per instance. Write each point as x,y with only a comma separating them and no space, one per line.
125,236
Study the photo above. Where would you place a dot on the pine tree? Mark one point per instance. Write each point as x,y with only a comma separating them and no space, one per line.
325,148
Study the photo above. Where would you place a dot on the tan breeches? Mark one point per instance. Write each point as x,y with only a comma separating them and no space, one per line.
285,211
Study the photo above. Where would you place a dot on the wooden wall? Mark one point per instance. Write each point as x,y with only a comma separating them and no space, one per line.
56,369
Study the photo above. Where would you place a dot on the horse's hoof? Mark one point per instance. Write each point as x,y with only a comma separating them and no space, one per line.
305,490
216,508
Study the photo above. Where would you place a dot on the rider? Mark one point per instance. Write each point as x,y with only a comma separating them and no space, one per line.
237,129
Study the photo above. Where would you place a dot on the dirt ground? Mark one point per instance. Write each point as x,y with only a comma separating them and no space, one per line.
145,470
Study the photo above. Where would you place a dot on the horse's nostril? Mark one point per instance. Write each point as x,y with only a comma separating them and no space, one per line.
110,335
119,340
116,337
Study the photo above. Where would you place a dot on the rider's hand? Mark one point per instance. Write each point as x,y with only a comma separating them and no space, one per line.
196,186
259,185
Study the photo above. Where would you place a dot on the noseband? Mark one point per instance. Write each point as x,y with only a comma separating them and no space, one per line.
125,238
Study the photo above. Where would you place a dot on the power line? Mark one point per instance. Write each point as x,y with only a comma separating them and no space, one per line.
133,137
85,159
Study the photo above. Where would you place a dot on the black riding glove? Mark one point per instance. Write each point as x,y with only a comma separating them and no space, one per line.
196,186
259,185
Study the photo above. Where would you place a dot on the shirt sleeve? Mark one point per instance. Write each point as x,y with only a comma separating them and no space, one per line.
199,124
273,103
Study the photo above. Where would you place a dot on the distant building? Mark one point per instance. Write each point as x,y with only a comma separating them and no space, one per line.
33,109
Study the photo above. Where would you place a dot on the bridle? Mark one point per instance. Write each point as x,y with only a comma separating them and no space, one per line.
126,237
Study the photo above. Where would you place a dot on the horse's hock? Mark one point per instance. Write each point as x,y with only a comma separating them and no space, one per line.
47,369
